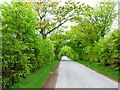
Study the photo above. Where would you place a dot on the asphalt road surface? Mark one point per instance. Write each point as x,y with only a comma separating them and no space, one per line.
71,74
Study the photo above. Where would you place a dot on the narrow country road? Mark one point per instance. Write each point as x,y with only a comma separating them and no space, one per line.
71,74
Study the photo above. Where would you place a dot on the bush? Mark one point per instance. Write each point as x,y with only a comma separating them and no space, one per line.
23,50
106,50
18,30
114,48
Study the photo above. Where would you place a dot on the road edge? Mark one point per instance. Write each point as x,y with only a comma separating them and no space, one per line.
47,83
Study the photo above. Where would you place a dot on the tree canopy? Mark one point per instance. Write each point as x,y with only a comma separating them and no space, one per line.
51,15
33,36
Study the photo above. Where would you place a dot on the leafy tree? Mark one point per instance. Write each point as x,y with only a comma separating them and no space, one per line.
96,24
26,25
89,26
90,38
51,15
23,50
75,42
58,41
18,32
114,47
104,16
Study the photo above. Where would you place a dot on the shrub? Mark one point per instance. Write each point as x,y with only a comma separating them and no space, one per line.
18,30
23,50
106,50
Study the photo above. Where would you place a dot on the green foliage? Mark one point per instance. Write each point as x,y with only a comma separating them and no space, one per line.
110,50
104,16
26,47
17,40
51,15
38,78
59,40
106,51
67,51
90,38
92,26
23,51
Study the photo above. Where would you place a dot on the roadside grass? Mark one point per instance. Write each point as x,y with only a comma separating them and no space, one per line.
38,78
102,69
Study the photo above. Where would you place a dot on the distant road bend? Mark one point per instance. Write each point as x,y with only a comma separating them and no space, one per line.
71,74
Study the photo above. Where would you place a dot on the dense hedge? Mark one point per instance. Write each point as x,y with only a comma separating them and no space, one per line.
105,51
23,50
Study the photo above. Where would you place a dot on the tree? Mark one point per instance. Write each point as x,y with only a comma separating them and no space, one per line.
104,17
58,38
23,50
18,32
75,42
113,41
69,52
92,28
97,24
51,15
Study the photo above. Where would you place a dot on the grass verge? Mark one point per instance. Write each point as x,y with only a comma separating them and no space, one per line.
102,69
38,78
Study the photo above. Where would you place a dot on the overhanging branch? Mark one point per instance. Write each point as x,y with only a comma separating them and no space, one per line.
57,26
61,23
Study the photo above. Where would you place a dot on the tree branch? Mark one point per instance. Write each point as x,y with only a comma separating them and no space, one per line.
61,23
57,26
41,17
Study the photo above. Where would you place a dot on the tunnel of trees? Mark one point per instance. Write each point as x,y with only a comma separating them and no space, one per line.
33,35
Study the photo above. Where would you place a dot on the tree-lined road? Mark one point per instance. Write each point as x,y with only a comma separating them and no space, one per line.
71,74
